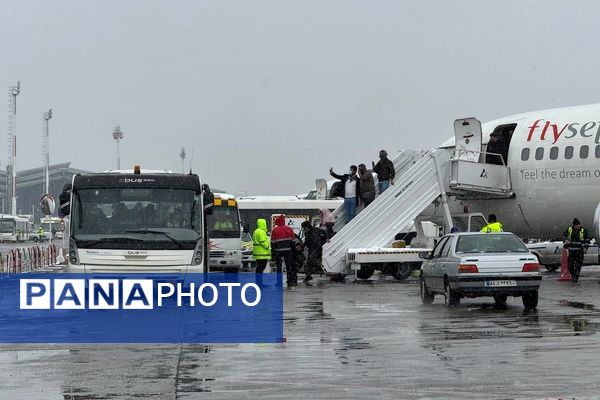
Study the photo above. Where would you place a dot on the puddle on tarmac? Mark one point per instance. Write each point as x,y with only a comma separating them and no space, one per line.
577,304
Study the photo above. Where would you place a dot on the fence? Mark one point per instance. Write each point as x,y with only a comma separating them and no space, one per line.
28,259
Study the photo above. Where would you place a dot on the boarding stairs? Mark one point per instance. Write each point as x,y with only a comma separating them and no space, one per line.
453,170
402,163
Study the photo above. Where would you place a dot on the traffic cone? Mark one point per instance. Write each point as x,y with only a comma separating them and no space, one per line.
565,275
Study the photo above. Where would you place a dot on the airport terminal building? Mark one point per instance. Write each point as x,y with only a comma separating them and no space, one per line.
31,187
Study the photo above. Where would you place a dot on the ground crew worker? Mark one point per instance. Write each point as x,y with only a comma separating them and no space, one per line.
576,241
261,248
282,239
493,225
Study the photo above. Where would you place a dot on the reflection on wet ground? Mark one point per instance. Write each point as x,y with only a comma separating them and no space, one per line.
348,341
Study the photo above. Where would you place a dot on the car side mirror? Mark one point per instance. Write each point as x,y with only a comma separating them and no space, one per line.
246,228
426,255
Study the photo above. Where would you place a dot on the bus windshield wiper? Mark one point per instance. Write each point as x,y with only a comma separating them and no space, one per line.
109,240
165,234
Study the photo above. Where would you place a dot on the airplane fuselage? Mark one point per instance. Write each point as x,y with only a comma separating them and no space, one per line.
554,160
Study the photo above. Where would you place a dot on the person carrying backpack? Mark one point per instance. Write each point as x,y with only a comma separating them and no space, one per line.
314,240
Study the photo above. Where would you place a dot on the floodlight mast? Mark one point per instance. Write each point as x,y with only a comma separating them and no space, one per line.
13,92
46,147
118,135
182,155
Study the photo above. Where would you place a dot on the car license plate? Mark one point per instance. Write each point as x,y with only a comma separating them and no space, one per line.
500,283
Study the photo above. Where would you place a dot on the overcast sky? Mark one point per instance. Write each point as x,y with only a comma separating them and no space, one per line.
269,94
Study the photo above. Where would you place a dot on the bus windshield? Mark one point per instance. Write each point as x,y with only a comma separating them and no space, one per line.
224,222
136,218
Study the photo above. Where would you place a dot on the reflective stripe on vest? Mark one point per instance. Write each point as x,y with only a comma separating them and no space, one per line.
570,232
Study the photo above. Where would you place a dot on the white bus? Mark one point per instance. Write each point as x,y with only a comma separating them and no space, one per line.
255,207
14,228
51,225
225,234
137,221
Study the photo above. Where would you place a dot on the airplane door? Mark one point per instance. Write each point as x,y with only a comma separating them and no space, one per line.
321,185
467,139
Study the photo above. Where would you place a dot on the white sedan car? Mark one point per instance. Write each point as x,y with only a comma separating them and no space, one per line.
480,264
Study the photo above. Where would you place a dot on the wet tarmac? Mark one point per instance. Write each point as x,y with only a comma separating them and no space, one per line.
349,341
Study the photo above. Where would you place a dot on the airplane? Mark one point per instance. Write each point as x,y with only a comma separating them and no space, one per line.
554,162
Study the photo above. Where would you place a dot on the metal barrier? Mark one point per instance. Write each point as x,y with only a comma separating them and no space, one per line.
28,259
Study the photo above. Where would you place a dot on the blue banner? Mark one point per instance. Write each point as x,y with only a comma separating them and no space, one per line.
141,308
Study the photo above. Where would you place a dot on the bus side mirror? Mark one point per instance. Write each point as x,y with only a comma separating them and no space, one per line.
208,199
65,202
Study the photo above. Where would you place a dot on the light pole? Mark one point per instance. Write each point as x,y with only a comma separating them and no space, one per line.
12,134
47,116
182,155
118,135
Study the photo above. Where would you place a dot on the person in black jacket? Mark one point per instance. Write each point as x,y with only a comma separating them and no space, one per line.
350,190
314,239
385,171
496,151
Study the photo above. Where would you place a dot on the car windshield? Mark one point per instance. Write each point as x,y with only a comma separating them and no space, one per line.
489,243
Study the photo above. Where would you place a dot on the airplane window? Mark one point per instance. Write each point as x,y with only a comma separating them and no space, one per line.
568,152
598,151
584,151
539,153
553,153
525,154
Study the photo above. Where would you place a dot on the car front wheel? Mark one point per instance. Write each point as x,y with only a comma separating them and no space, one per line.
530,300
426,296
